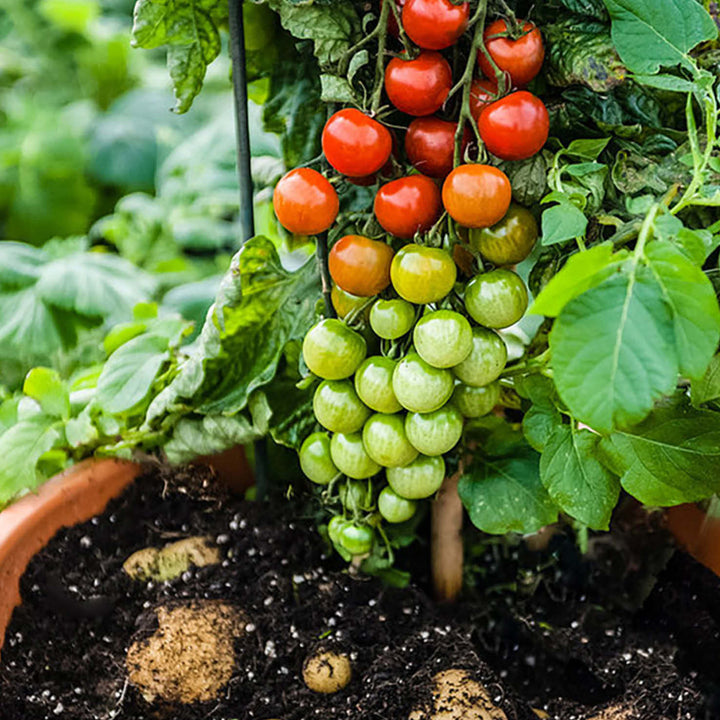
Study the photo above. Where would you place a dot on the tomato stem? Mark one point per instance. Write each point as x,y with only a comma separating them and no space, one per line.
407,45
382,29
321,252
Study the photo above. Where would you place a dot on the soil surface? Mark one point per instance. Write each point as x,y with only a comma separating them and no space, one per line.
601,637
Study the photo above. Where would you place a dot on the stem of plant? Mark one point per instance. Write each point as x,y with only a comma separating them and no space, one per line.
380,66
321,252
446,541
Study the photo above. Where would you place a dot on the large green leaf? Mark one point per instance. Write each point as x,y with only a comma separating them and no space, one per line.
613,350
505,494
46,387
129,373
20,264
650,34
29,328
708,387
575,478
20,448
671,458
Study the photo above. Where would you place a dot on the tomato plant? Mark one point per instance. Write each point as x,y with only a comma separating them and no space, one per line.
496,299
509,241
360,266
338,408
391,319
422,275
419,86
435,433
430,145
332,350
420,479
305,202
483,92
443,338
385,441
350,457
393,508
315,459
373,383
521,57
407,206
435,24
420,387
476,196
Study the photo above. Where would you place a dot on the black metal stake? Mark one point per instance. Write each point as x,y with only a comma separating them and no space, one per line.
247,219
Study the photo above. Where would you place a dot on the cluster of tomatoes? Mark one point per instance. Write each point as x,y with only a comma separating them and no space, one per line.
414,352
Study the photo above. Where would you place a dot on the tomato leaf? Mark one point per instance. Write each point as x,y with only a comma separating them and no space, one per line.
670,458
539,424
649,34
561,223
575,478
708,387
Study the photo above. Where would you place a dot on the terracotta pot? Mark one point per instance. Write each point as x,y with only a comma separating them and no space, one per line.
696,532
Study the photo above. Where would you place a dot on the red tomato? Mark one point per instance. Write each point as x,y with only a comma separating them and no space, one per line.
305,202
408,205
393,28
430,145
521,58
360,266
355,144
477,196
435,24
419,86
483,92
515,127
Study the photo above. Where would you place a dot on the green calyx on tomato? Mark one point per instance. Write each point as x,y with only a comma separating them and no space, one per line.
332,350
315,460
508,242
443,338
356,496
435,433
350,457
385,440
521,58
497,299
373,384
420,479
422,275
474,402
338,408
393,508
391,319
360,266
486,361
420,387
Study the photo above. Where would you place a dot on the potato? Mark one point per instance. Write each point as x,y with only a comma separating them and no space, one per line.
327,672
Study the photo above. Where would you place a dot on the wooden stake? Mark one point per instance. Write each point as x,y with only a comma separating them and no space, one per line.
447,544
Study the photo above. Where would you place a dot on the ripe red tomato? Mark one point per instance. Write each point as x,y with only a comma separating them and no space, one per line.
408,205
420,86
477,195
521,58
515,127
483,93
360,266
430,145
355,144
305,202
435,24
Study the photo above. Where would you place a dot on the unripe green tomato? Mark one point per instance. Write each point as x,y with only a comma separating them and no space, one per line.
385,440
332,350
373,384
393,508
356,539
355,495
336,524
422,275
435,433
474,402
350,457
391,319
315,459
510,241
338,408
420,479
497,299
346,303
443,338
420,387
486,361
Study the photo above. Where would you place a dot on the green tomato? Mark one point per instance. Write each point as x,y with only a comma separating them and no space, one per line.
497,299
385,440
346,303
356,495
373,384
443,338
356,539
420,479
422,275
391,319
474,402
338,408
510,241
420,387
349,455
393,508
435,433
315,459
486,361
336,524
332,350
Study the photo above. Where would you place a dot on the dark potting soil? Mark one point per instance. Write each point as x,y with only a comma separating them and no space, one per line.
575,637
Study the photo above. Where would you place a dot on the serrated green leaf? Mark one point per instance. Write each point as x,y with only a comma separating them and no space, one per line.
336,90
129,373
708,387
649,35
505,494
670,458
691,296
45,385
613,350
576,480
561,223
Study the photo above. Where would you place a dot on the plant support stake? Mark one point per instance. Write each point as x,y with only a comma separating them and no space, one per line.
247,219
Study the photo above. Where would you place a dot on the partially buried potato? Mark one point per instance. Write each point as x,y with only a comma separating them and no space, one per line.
456,696
327,672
